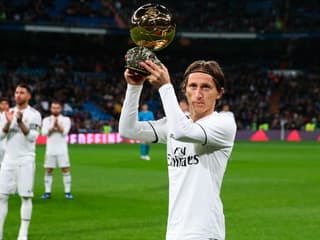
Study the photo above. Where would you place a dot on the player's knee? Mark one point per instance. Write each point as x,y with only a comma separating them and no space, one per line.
65,170
26,200
49,170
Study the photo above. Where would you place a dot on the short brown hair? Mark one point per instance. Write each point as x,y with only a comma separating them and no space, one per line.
209,67
25,86
56,102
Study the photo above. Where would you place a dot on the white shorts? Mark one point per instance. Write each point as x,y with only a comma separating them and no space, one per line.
53,160
17,179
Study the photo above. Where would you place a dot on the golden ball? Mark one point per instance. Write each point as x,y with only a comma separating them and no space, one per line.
152,26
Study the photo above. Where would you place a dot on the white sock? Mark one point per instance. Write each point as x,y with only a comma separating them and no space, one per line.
25,211
3,212
48,182
67,182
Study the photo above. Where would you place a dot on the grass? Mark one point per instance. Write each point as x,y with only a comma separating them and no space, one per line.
270,191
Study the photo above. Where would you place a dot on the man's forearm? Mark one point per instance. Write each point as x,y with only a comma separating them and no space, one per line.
23,128
50,131
60,128
6,127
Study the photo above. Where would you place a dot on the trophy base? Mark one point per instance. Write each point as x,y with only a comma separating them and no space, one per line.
138,70
140,54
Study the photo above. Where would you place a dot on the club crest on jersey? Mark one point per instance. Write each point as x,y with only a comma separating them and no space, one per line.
180,158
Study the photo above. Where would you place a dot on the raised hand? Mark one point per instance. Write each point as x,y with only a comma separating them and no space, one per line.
134,78
159,75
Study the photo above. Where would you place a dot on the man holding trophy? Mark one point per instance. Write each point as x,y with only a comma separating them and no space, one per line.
198,144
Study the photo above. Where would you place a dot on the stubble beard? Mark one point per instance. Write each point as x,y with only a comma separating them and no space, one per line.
22,104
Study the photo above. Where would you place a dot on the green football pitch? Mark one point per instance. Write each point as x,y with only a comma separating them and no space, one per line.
270,191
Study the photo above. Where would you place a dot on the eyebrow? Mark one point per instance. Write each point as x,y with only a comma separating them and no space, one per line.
206,83
217,83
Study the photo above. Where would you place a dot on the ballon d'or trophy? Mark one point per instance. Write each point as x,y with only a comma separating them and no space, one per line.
152,29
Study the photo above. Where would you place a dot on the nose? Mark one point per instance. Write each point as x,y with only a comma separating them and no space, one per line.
198,93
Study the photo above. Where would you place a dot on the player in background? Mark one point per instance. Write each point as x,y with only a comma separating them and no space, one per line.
198,146
4,107
226,108
145,115
56,127
18,167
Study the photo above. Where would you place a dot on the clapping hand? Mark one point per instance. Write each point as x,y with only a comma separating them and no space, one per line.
55,124
19,117
9,116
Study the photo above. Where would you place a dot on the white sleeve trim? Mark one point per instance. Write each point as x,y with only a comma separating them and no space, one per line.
32,135
34,128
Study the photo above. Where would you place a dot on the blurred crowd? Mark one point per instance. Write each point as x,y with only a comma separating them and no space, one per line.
89,89
258,89
92,90
266,99
209,16
89,13
239,15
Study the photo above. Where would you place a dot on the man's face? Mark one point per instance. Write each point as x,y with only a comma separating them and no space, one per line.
22,96
55,109
202,94
4,106
144,107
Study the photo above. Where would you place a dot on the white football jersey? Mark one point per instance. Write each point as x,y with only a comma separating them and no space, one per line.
195,176
197,155
2,140
56,141
21,148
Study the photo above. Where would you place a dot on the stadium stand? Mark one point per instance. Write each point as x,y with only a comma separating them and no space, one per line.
216,16
269,82
251,91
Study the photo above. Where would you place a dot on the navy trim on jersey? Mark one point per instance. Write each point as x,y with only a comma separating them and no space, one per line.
205,134
155,133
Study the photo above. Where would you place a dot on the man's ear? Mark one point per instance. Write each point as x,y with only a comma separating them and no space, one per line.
220,93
